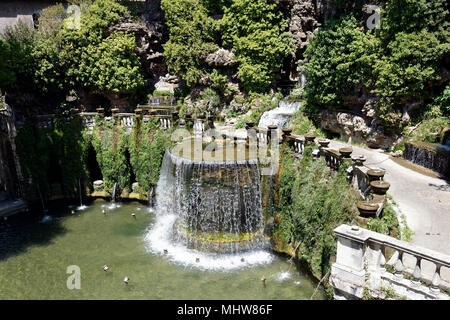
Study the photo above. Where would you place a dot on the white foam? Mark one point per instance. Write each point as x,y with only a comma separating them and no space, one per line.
283,276
279,116
159,238
82,208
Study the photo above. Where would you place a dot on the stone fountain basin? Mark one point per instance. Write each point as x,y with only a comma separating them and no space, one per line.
367,209
346,152
375,174
324,142
379,187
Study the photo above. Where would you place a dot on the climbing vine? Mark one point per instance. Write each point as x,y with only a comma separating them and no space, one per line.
56,155
147,147
310,202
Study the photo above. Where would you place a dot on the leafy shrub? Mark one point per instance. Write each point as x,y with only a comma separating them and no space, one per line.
256,31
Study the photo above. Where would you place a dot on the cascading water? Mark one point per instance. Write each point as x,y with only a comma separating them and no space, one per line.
281,115
151,195
208,214
113,204
113,197
429,155
81,207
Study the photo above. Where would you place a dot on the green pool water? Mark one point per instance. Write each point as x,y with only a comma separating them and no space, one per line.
34,258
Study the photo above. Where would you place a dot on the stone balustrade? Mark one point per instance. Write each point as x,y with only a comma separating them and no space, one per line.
126,120
298,144
361,267
361,180
162,101
165,123
333,158
45,121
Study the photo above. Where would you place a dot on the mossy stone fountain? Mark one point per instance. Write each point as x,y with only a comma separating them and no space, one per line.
324,143
346,152
375,174
216,195
380,187
367,209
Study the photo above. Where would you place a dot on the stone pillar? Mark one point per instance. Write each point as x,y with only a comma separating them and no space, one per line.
286,134
347,273
272,132
101,112
175,118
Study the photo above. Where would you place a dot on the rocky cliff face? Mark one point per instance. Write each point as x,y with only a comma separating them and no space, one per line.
363,127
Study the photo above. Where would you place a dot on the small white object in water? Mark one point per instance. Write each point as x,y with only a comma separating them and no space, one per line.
297,283
283,275
46,219
104,212
105,267
126,280
133,215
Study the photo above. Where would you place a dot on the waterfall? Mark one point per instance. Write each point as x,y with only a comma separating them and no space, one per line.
113,204
42,199
429,155
151,194
196,200
281,115
81,207
113,197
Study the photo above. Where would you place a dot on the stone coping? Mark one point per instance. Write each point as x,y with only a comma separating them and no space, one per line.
363,235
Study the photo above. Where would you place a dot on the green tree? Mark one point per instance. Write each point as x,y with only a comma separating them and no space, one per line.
192,34
256,31
340,59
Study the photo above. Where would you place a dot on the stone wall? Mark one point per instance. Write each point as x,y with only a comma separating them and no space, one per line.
12,11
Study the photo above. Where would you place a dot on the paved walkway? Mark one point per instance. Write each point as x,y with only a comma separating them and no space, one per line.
424,200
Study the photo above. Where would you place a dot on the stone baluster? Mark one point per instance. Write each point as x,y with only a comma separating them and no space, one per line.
417,274
381,260
399,266
436,280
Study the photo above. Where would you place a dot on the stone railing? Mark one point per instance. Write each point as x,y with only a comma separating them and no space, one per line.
162,101
89,120
126,120
361,269
361,180
165,123
333,158
298,144
45,121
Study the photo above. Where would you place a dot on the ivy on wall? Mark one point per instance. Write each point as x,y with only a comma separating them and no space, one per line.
64,146
147,146
309,204
60,155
